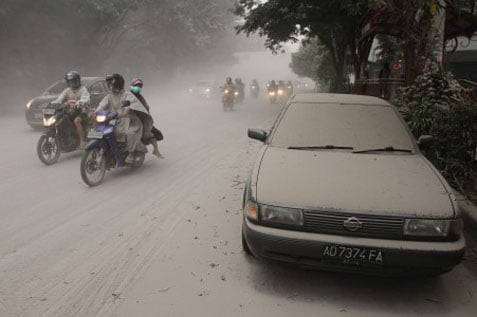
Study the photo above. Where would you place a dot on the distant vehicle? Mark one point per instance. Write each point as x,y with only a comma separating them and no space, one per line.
96,86
340,184
204,89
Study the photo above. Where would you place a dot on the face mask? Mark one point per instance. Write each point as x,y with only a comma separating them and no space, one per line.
136,89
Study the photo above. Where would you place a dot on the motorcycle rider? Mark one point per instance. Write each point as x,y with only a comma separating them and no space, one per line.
113,102
77,96
255,88
272,86
290,88
229,85
148,133
240,88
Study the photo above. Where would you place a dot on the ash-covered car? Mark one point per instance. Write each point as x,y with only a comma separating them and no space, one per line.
341,184
96,86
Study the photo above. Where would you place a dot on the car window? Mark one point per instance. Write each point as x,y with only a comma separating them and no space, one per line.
358,126
56,88
97,87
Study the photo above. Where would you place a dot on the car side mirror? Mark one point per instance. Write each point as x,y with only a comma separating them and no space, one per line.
425,140
257,134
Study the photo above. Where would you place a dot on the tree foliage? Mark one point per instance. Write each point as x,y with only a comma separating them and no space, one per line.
435,104
334,23
313,60
44,38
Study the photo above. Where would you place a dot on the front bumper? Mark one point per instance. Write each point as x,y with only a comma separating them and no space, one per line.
306,249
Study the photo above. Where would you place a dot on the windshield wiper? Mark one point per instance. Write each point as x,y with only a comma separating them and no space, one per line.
321,147
385,149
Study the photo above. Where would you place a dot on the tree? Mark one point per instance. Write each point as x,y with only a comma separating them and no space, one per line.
313,60
334,23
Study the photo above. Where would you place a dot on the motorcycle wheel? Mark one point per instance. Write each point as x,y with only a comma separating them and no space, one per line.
93,167
48,150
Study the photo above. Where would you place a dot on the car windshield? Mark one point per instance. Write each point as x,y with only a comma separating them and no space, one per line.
341,125
56,88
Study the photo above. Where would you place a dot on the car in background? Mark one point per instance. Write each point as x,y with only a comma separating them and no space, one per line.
204,89
96,86
340,184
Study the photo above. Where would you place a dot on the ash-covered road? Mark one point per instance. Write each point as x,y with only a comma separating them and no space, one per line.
164,240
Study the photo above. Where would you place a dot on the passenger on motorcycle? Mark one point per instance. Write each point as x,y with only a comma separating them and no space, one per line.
132,128
150,133
77,96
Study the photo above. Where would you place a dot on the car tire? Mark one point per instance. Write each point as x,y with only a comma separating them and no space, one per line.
245,247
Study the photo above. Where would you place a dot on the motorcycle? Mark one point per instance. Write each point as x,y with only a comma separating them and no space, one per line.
254,90
272,95
60,135
228,99
104,152
239,96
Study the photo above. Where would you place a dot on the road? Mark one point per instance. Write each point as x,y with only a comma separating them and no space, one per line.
164,240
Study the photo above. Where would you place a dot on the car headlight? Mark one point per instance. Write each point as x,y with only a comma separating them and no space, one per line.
48,122
281,215
432,227
28,105
207,90
100,118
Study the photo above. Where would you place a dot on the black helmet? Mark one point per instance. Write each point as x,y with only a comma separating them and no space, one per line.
228,80
73,79
115,82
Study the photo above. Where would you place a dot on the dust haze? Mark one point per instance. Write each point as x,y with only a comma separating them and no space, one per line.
170,44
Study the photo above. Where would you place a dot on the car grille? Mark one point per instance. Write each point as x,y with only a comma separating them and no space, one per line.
372,226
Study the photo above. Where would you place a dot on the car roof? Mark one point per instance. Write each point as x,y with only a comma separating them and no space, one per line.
338,98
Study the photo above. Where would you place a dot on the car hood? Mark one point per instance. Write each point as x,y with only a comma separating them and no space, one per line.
392,185
41,101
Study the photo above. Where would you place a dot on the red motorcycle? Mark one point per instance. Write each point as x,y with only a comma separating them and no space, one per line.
228,99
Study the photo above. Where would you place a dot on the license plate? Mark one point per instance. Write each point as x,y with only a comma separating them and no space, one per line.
48,111
95,135
353,255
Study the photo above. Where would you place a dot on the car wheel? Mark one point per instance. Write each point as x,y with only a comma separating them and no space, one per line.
245,247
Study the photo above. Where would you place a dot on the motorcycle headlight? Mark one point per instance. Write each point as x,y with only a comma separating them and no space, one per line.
236,93
432,227
280,92
190,90
28,105
226,91
48,122
207,90
100,118
271,93
281,215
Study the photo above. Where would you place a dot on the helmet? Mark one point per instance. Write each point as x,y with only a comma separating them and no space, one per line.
137,82
115,82
238,79
228,80
73,79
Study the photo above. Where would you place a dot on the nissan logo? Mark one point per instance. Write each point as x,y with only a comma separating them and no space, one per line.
353,224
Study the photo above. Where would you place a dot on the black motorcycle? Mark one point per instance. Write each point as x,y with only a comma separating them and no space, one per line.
60,135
